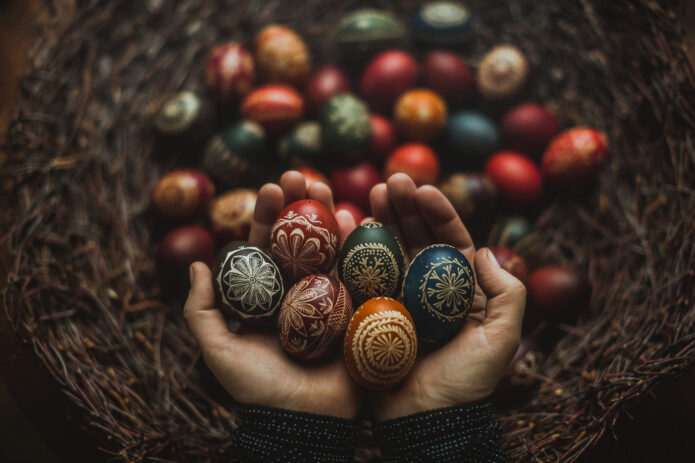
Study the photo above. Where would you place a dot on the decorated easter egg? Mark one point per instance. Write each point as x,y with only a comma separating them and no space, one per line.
356,212
248,284
313,318
574,156
438,292
528,128
312,175
417,160
181,247
386,78
182,195
185,116
281,55
472,136
383,138
447,74
234,157
276,107
509,231
520,376
559,292
516,177
304,239
511,262
442,23
229,73
345,126
371,263
302,143
471,194
502,72
420,115
324,83
367,31
380,344
354,183
231,215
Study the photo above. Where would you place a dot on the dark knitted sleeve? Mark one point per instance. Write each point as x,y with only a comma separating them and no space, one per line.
457,434
272,435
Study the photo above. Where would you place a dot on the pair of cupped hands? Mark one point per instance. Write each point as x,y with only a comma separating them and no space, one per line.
255,370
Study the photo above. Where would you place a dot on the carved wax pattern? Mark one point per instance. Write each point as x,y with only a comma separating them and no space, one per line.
446,289
371,270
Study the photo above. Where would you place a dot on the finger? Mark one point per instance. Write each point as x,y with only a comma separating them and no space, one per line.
382,210
506,295
416,233
346,223
268,205
319,191
293,186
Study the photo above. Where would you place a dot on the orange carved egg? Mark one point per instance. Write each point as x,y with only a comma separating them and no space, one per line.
282,55
182,194
275,107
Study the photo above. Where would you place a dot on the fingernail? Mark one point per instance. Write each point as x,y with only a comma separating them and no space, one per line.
191,274
492,258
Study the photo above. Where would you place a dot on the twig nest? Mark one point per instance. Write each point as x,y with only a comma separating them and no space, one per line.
231,215
281,55
229,73
502,73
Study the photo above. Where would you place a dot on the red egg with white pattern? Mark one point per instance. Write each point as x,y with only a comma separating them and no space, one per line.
516,177
574,156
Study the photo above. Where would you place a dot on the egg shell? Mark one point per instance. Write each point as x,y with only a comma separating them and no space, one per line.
346,128
574,156
312,175
281,55
447,74
234,157
380,344
367,31
302,143
528,128
438,292
443,23
304,239
383,139
181,247
314,316
509,231
182,195
559,292
276,107
420,115
354,183
386,78
512,263
356,212
324,83
248,283
371,263
229,73
472,136
416,160
231,215
516,177
471,194
185,117
502,73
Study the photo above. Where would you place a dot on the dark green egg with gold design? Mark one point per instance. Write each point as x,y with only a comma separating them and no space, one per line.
303,143
438,292
367,31
346,127
235,157
509,231
371,263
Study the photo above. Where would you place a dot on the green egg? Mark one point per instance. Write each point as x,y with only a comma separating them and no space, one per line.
368,31
345,126
235,156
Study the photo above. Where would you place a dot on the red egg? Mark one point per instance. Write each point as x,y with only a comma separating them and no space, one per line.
323,84
181,247
559,292
447,74
229,72
304,239
281,55
352,209
183,194
574,156
276,107
512,262
517,178
354,183
528,128
386,77
231,215
383,138
312,175
420,115
416,160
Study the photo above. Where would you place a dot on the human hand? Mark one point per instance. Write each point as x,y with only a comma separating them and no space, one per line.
469,366
253,367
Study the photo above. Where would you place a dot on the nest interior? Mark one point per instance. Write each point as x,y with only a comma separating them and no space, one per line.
82,284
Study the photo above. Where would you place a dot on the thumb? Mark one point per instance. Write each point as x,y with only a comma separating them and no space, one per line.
506,295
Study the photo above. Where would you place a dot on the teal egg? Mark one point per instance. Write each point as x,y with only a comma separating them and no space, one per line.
371,263
509,232
368,31
303,143
442,23
438,292
346,127
234,157
472,136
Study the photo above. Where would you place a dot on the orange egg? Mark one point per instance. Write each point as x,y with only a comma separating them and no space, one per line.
420,115
281,55
231,215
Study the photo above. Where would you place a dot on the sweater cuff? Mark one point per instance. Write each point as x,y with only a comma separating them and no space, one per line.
277,435
458,434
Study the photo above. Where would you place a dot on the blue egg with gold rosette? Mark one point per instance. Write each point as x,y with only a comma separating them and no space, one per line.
442,23
438,292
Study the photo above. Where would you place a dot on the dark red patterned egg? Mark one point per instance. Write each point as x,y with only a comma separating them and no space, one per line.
356,212
275,107
304,239
324,83
383,139
447,74
559,292
313,318
574,156
354,184
512,262
229,72
281,55
528,128
231,215
417,160
183,194
516,177
386,77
